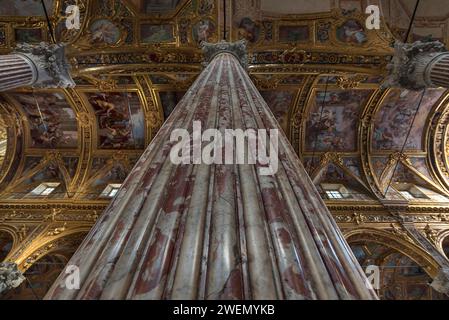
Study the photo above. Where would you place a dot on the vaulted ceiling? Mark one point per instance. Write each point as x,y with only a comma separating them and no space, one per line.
315,63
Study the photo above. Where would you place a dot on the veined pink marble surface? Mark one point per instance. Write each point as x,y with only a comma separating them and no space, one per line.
216,231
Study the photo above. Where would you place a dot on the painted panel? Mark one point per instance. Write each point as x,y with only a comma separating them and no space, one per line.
120,120
332,125
24,7
52,121
279,103
395,117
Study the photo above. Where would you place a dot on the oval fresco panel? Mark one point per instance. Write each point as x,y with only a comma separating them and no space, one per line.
104,31
352,32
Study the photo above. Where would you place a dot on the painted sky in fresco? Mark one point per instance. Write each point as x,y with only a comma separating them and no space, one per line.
120,119
24,7
279,103
335,128
54,125
395,117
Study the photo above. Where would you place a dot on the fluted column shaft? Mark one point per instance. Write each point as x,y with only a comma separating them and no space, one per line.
16,71
419,65
220,231
437,71
39,66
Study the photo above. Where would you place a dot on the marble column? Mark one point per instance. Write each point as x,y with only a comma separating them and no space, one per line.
438,71
419,65
38,66
219,231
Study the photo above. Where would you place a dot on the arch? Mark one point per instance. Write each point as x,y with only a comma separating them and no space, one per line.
13,125
401,276
40,276
6,243
43,266
407,248
444,243
68,241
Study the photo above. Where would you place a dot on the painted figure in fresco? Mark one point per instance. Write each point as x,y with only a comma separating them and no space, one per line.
48,127
106,108
352,32
104,31
333,128
113,121
157,33
249,30
117,129
204,30
116,137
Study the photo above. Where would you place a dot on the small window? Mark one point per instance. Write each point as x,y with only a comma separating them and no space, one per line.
334,194
410,191
407,195
44,189
111,191
334,191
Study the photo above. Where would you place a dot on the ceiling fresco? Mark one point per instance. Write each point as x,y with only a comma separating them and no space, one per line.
431,21
280,103
265,23
122,107
332,124
52,120
120,119
395,117
24,7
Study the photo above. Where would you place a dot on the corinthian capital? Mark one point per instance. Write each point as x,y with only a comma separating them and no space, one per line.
50,67
419,65
10,276
238,49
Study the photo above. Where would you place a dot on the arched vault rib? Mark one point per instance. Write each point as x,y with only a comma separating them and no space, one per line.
15,141
87,129
438,142
409,249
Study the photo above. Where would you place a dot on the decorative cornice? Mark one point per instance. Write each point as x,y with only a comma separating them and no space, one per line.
20,205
